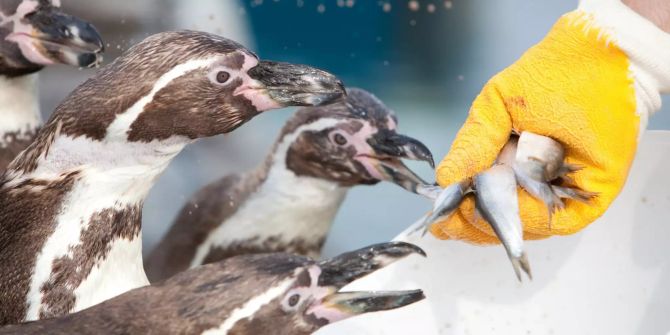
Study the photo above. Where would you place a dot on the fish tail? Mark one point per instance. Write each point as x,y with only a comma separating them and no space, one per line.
573,193
521,263
569,168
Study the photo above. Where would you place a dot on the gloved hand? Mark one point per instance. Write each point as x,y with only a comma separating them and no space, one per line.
590,84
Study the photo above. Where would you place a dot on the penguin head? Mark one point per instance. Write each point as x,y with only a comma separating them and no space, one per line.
188,84
36,33
310,297
274,293
353,141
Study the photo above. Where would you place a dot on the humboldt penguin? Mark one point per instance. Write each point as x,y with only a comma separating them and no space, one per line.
70,204
277,293
289,202
35,34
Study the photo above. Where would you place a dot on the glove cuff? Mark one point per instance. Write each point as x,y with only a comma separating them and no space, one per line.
645,44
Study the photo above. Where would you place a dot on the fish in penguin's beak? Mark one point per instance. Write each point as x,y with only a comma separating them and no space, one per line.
346,268
47,36
296,85
389,148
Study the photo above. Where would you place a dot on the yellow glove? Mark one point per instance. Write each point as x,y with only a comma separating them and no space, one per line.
585,86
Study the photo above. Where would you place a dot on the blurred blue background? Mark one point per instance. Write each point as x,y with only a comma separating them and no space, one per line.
425,59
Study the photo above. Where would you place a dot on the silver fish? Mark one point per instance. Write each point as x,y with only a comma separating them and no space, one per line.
497,202
539,162
445,202
532,161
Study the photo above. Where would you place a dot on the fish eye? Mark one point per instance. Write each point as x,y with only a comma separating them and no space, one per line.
339,139
222,77
293,300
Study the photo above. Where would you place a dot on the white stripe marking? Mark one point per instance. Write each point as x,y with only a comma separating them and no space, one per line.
250,308
121,125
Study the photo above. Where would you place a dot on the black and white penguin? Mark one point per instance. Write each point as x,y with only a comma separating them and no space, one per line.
35,34
278,294
289,202
70,204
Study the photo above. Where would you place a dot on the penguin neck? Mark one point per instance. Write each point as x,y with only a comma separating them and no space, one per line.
308,204
297,210
19,105
285,212
121,171
92,248
19,114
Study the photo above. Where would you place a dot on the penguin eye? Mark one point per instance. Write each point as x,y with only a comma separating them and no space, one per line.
65,32
222,77
339,139
293,300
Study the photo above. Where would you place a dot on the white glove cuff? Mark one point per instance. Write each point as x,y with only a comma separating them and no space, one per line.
647,47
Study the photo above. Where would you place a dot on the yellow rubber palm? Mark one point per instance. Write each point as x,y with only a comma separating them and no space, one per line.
577,87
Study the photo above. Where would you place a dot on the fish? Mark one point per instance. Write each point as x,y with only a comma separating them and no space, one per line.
497,202
532,161
538,164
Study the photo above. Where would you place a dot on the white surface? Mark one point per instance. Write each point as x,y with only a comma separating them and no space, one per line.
611,278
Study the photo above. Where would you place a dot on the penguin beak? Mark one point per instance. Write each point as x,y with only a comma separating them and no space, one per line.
297,85
385,164
51,36
346,268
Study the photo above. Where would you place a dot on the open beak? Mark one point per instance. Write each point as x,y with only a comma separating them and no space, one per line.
296,85
54,37
344,269
389,148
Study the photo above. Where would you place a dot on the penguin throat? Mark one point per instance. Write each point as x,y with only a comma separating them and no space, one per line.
286,213
19,108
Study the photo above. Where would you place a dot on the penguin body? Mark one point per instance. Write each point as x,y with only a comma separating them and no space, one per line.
275,293
70,204
288,203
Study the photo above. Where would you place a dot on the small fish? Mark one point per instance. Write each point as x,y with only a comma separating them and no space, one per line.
445,202
497,202
532,161
539,162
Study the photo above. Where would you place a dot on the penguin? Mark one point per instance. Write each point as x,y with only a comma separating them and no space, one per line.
35,34
276,293
71,202
289,202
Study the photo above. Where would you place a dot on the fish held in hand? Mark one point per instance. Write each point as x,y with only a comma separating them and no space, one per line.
498,204
537,164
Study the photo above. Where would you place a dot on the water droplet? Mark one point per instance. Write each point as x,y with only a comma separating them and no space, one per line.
386,7
430,8
414,5
448,4
321,8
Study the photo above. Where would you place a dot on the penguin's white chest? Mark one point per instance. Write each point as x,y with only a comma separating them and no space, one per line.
119,272
286,209
95,250
91,260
